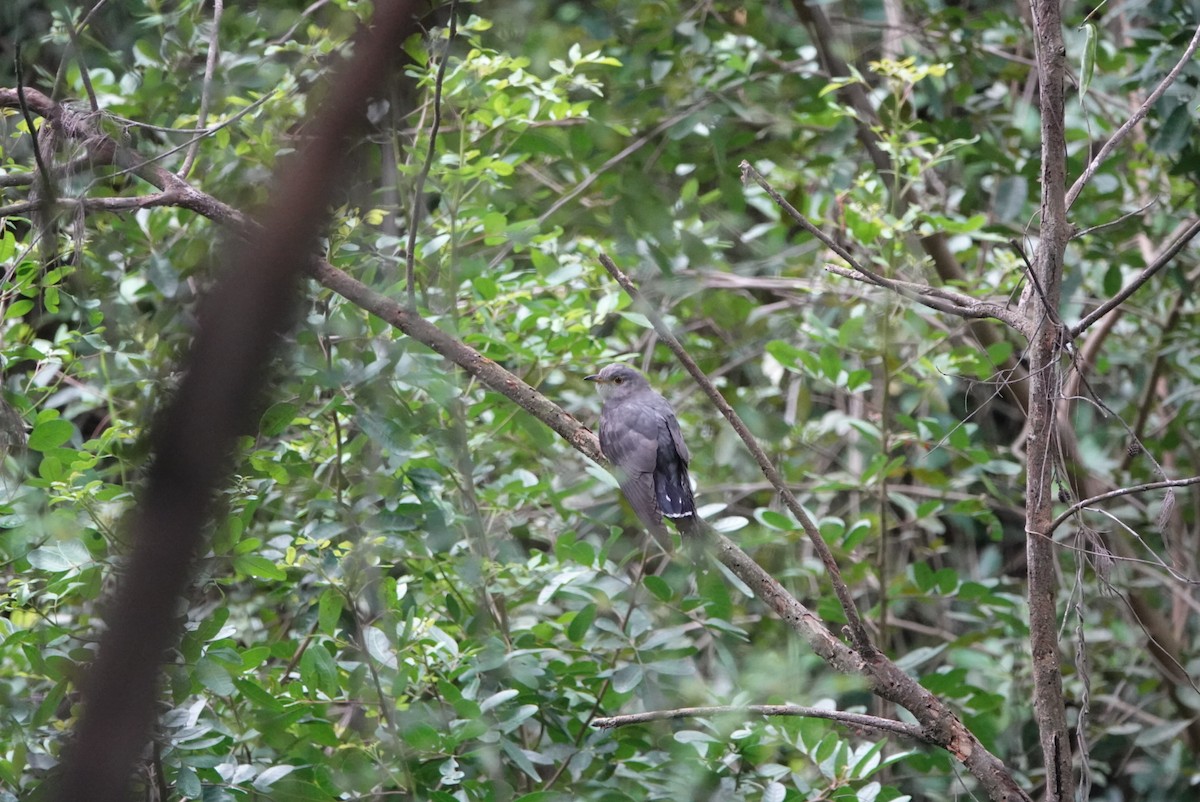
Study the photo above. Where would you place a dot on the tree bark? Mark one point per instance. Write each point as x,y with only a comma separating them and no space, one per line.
1040,305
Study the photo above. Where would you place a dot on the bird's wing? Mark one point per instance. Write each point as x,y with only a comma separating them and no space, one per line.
672,487
677,436
629,438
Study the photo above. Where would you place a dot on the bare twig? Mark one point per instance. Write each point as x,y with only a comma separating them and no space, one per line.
73,32
1133,286
287,35
23,100
1102,226
210,67
418,204
1121,491
941,299
115,204
1132,122
855,720
1151,387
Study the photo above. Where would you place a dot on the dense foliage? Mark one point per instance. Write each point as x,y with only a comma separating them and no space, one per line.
417,590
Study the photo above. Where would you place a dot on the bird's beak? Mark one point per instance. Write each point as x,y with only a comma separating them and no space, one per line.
595,377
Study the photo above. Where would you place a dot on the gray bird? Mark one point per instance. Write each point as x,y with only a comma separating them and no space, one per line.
640,437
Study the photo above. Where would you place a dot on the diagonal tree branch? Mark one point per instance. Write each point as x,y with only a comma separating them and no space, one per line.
210,68
1066,514
856,720
938,298
1116,139
1164,258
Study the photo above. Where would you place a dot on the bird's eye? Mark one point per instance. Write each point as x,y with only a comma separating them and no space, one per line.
618,380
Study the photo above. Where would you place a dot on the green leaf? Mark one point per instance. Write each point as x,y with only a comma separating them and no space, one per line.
258,566
51,433
271,775
214,676
1088,65
258,695
18,309
867,762
497,699
186,782
422,736
1175,131
277,418
580,624
659,587
1008,201
626,678
774,520
48,705
318,670
62,556
378,646
1113,279
329,610
858,532
922,576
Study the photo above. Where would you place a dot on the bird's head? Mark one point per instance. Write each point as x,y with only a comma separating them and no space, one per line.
618,380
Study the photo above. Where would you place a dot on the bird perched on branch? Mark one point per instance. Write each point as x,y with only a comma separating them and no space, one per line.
640,436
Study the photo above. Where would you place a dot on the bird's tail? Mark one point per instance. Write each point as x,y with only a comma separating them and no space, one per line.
673,491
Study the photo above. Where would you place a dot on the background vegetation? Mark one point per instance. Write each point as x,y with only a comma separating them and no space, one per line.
416,590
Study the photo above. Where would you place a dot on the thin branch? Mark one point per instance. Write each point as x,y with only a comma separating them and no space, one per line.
1151,388
23,99
1102,226
855,720
1121,491
287,35
115,204
862,641
210,67
940,299
26,179
410,256
1129,289
1132,122
73,32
